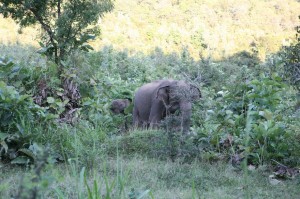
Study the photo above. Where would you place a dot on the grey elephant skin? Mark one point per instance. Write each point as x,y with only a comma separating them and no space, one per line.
118,106
155,100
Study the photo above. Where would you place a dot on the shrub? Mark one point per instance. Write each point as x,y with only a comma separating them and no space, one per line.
20,118
260,103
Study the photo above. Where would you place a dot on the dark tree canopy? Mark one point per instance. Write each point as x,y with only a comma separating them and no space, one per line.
66,24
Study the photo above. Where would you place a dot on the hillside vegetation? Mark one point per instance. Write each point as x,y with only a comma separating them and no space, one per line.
210,27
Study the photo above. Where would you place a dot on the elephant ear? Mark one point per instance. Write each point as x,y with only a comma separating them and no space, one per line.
163,93
195,92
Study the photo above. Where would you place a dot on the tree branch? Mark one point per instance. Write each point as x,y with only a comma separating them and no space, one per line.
48,29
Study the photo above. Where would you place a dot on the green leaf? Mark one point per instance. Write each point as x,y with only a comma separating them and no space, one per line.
228,112
23,97
230,121
210,111
3,143
50,100
28,153
142,195
266,114
20,128
51,116
92,82
20,160
59,193
87,103
129,109
3,136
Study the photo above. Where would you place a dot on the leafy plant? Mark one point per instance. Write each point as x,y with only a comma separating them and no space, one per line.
20,117
18,114
269,134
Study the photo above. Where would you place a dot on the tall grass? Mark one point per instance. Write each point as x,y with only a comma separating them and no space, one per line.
163,179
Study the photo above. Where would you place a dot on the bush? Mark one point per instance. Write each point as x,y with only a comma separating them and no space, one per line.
260,103
19,116
21,119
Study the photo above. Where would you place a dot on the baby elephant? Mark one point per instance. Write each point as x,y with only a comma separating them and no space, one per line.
118,106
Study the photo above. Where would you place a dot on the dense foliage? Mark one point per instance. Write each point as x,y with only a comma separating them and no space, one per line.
250,113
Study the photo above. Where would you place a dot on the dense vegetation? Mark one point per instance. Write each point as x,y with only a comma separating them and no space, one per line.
248,116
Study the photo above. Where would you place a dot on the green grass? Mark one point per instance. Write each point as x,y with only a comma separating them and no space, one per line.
164,179
134,164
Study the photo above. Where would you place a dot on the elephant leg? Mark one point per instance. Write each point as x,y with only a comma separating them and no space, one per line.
156,114
136,119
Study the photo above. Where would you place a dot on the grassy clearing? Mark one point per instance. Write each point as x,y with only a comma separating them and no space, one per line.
164,179
132,164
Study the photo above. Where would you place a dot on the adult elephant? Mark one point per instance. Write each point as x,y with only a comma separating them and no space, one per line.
153,101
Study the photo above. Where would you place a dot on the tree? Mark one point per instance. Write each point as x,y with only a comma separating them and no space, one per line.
291,57
67,24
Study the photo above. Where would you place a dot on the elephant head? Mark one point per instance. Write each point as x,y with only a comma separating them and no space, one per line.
118,106
157,99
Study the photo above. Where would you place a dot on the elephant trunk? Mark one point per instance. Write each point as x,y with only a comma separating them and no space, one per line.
186,112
